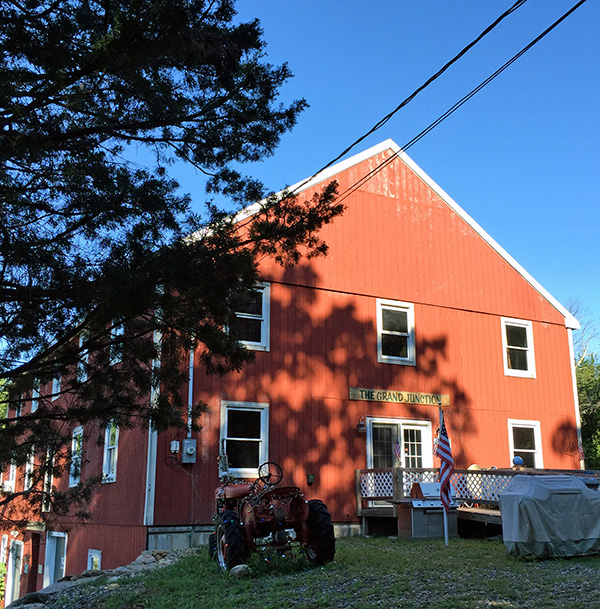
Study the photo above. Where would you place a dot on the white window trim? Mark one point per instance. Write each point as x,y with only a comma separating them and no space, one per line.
411,359
84,358
48,482
35,395
4,549
28,470
108,476
263,453
537,434
76,457
56,382
528,325
90,560
9,483
265,334
116,332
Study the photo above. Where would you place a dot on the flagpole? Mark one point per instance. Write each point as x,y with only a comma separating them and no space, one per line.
441,416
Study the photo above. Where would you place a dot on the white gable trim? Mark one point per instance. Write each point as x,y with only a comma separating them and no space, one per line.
570,321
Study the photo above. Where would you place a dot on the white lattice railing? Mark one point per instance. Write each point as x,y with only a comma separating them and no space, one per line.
471,487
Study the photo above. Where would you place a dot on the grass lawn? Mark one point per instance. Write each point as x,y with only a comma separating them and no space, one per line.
368,573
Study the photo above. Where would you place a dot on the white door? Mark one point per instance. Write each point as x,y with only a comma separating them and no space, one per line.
13,572
56,554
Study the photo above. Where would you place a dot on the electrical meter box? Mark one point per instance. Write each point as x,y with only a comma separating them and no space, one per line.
188,452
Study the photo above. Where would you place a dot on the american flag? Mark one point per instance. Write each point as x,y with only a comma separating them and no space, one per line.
398,449
581,455
444,452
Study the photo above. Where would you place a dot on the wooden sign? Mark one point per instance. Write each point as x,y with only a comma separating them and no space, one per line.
399,397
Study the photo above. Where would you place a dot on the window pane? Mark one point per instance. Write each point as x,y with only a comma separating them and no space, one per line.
528,458
112,435
516,336
383,449
243,453
517,359
523,438
395,320
247,329
394,345
243,424
252,304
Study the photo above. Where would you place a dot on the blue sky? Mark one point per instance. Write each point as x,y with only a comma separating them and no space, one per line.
520,158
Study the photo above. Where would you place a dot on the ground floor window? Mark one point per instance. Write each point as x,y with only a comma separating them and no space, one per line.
525,441
245,436
94,562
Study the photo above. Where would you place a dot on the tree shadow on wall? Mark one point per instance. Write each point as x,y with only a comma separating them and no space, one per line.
322,343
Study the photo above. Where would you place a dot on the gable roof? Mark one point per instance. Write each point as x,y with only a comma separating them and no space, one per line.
570,321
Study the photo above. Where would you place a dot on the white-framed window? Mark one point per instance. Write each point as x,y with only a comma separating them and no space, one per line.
29,468
116,338
35,395
84,358
4,549
94,561
525,441
245,436
251,327
395,332
517,346
56,386
76,457
11,478
111,445
48,481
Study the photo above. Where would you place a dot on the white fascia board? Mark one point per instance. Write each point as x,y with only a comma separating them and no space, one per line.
570,321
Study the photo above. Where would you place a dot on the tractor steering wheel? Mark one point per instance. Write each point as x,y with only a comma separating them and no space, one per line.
270,473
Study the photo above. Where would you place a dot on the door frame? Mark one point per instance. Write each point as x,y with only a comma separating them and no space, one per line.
424,424
10,573
50,557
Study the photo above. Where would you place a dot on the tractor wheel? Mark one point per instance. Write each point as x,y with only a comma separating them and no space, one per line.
232,548
321,545
212,545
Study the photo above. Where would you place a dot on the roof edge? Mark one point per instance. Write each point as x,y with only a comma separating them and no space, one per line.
570,321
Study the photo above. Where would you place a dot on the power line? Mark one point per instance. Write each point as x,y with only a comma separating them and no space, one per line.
456,106
386,118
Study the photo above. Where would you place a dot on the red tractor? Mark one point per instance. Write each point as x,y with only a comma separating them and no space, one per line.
254,516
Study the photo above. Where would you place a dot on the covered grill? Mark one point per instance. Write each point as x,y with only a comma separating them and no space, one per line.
422,516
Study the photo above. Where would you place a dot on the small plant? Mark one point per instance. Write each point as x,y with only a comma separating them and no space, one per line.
2,580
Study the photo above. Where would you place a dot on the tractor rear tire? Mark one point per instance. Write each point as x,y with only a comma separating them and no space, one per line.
232,549
321,546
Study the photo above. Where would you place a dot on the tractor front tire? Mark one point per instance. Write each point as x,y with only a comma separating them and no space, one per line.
232,549
212,545
321,545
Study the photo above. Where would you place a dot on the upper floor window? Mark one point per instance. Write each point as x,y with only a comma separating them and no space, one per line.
251,326
84,359
245,434
116,343
28,477
517,344
111,443
56,386
35,395
395,332
76,456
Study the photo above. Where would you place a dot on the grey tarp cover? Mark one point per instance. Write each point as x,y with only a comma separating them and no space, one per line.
545,516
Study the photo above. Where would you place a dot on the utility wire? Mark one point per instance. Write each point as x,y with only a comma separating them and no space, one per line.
456,106
386,118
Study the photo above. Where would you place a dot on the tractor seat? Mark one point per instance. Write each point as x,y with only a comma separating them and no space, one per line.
237,491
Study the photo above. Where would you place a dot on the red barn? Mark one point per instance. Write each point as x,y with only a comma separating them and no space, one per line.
414,304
